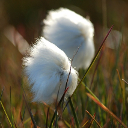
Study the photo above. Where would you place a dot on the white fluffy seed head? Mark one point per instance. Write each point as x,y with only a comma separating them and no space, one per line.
68,30
47,68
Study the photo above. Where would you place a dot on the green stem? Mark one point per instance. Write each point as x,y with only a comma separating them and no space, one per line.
90,91
6,113
74,113
101,46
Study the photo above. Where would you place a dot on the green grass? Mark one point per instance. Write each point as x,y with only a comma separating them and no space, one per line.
103,80
84,110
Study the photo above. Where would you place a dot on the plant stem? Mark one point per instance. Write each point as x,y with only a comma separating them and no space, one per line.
74,113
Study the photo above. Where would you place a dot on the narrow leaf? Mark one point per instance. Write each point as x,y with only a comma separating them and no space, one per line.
93,119
122,88
106,109
6,113
74,113
29,110
101,46
58,107
47,118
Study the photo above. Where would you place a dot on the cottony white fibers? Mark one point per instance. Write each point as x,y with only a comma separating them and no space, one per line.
68,30
47,69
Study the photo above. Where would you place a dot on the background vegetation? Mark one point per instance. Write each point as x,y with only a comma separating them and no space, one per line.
104,79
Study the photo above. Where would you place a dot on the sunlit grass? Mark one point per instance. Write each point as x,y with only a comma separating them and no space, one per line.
107,86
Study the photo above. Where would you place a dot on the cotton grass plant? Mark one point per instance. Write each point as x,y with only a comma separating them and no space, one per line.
68,30
47,68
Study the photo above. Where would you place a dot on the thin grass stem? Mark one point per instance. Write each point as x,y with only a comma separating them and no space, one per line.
47,118
61,100
1,93
4,108
90,91
93,119
74,113
101,46
29,110
6,113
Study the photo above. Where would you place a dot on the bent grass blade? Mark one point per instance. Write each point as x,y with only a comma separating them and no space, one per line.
106,109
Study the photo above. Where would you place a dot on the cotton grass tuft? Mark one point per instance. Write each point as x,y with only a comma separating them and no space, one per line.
47,68
68,31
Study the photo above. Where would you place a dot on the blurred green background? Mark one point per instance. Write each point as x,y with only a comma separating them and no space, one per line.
21,21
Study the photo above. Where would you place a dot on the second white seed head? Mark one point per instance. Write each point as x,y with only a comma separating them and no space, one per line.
68,30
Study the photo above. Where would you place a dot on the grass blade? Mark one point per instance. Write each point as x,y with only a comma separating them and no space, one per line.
90,91
22,114
101,46
47,118
70,68
67,124
74,113
1,94
4,108
85,123
1,125
29,110
94,119
6,113
102,51
122,89
58,107
91,121
106,109
12,117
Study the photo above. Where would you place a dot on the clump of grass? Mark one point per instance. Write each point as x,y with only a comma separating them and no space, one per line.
105,107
